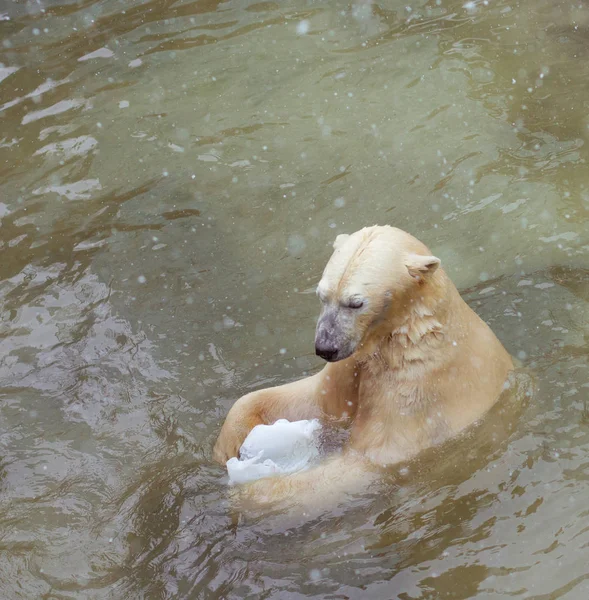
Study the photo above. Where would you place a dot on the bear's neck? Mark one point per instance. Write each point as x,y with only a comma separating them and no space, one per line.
414,343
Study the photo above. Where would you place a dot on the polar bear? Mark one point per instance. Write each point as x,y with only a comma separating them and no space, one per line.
409,365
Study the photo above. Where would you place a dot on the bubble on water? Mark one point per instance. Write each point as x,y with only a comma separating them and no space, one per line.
484,276
36,31
522,355
315,574
141,279
124,104
296,245
303,27
282,350
339,202
136,63
470,6
44,467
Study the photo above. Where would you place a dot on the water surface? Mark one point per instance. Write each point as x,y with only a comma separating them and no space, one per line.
172,176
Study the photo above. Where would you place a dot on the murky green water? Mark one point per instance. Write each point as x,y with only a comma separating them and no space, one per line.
172,175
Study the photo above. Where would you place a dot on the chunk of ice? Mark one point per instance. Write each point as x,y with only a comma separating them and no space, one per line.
283,447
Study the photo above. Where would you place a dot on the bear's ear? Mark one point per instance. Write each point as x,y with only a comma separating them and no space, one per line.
421,267
339,240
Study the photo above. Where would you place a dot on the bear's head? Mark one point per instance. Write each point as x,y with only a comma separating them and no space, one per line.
372,282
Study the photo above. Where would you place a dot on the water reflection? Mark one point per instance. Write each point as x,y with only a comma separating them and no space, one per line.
172,177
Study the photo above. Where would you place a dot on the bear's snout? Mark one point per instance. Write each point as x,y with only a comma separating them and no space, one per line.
326,345
328,353
332,337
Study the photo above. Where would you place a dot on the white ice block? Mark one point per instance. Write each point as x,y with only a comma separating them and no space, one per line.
283,447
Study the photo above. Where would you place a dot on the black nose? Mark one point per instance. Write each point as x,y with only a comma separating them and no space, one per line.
326,352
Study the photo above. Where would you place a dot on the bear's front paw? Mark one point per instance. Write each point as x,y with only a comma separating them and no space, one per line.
263,493
226,447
